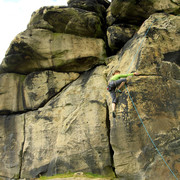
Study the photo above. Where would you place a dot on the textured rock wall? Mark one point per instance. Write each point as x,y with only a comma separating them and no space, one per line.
156,95
60,136
39,49
55,111
21,93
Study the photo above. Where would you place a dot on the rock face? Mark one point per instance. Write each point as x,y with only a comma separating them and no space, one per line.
60,136
55,111
67,124
156,97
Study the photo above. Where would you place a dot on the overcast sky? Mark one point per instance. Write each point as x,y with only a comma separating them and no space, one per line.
14,17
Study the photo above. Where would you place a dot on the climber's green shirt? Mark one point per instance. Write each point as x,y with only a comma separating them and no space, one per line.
118,76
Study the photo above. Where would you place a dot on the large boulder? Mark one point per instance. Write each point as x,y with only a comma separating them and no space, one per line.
155,94
67,20
40,49
20,93
135,12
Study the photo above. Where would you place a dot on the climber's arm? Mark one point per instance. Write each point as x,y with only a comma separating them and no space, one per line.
126,75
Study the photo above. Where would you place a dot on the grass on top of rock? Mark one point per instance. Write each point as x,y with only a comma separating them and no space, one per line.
69,174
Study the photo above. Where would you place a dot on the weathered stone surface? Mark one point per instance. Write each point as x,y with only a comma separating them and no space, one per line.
118,35
70,132
39,49
134,155
11,143
156,96
135,12
110,19
39,87
21,93
153,56
67,20
97,6
37,19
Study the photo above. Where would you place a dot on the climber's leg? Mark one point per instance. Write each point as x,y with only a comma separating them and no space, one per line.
120,83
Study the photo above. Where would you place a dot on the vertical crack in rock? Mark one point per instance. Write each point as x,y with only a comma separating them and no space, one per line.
21,155
108,125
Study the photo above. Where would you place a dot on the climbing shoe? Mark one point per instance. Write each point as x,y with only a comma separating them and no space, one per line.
114,114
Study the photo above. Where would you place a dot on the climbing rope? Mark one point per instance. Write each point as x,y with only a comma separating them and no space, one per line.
136,108
149,135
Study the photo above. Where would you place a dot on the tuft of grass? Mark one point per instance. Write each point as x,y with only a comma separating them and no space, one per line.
66,175
69,174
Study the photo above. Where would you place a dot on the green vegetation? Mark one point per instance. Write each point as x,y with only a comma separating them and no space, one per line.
66,175
69,174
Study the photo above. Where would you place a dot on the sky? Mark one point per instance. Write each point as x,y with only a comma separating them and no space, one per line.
14,17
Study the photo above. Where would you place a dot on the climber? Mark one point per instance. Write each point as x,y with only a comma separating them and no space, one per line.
117,81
